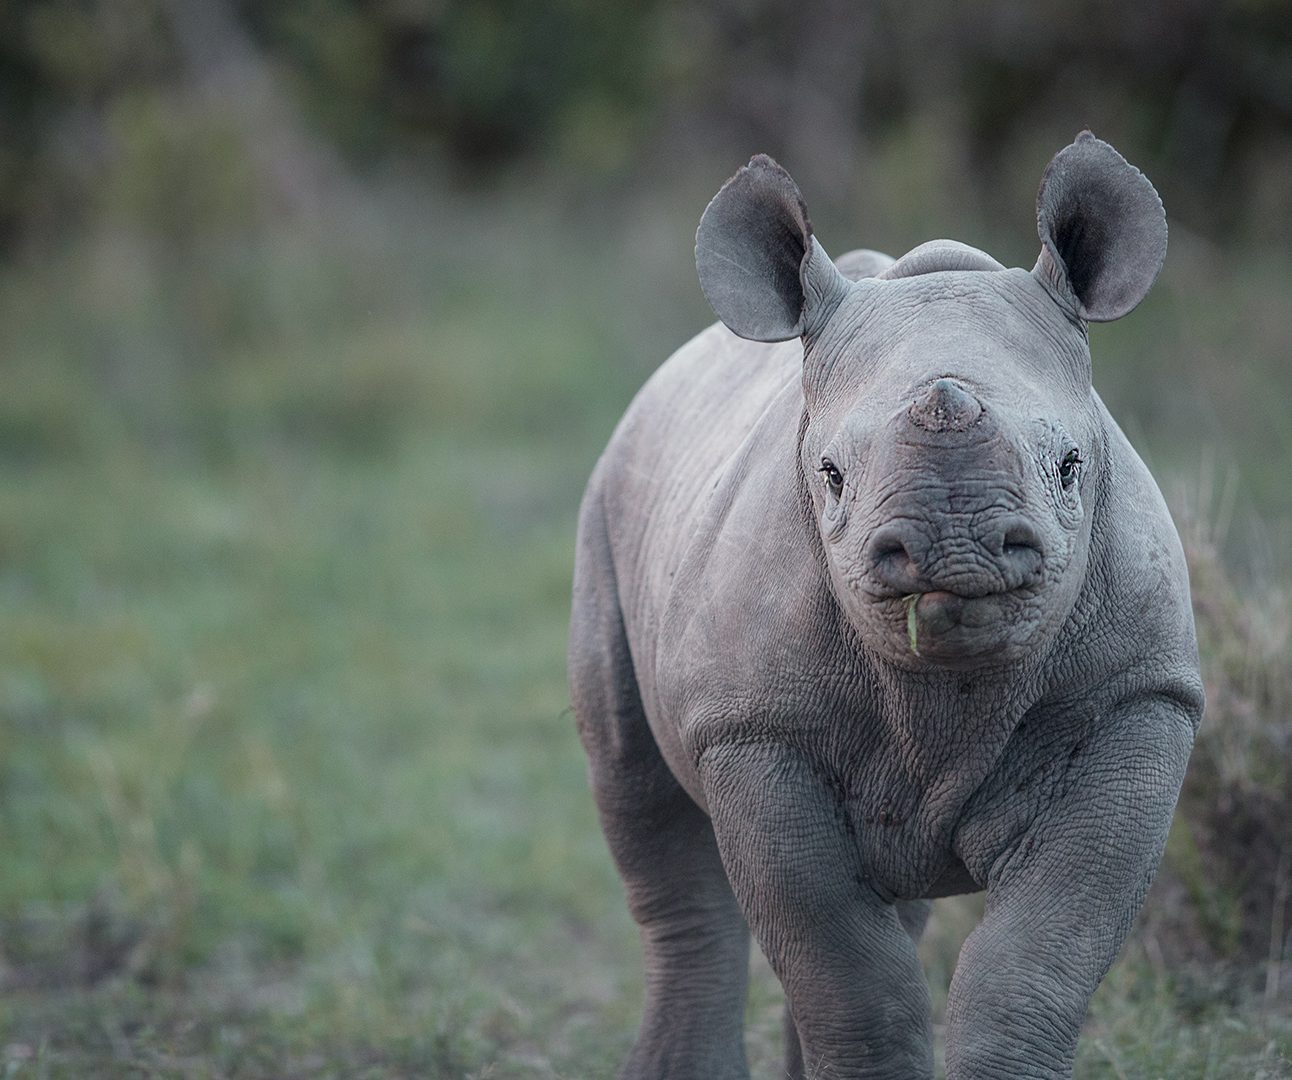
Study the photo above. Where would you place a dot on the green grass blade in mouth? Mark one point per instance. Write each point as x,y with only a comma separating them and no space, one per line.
912,622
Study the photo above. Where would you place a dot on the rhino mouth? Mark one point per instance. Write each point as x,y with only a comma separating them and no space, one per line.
941,624
940,610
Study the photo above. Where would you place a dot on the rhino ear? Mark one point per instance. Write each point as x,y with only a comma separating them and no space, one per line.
1102,229
760,267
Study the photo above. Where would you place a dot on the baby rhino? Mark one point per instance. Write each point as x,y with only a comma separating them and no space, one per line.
888,612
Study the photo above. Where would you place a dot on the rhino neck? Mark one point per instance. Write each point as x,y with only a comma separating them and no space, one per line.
945,718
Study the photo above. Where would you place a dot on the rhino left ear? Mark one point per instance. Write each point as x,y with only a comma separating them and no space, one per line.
761,269
1102,229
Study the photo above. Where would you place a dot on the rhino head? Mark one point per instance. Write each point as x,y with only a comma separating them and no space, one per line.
952,449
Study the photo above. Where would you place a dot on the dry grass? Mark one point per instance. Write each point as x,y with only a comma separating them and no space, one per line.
1219,918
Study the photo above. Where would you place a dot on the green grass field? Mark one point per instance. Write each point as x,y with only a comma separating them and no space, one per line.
288,781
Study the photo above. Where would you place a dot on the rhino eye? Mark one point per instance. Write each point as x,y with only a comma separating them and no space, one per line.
833,476
1068,467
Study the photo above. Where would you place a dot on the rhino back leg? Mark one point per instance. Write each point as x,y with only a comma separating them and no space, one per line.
694,937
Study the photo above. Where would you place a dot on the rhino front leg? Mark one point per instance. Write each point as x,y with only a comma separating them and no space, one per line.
915,916
1062,895
848,965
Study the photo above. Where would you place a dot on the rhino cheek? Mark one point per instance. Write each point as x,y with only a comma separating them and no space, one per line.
834,521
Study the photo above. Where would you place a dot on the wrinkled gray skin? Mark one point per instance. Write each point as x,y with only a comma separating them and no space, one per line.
768,750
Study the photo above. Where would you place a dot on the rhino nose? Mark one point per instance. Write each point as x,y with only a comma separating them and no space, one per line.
945,406
906,557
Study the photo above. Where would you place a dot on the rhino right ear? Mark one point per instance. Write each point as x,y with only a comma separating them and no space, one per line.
1102,229
761,269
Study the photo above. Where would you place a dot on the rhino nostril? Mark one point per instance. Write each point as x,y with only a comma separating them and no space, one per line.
888,549
889,542
1021,540
889,553
1023,553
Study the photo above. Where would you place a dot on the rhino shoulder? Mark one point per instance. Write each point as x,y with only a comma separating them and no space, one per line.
1139,580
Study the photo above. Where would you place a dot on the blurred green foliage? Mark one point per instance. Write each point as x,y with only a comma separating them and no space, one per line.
284,742
1197,90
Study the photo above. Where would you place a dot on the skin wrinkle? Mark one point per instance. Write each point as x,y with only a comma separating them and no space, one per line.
772,745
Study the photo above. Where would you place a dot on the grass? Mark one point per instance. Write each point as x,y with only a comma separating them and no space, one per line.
288,784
